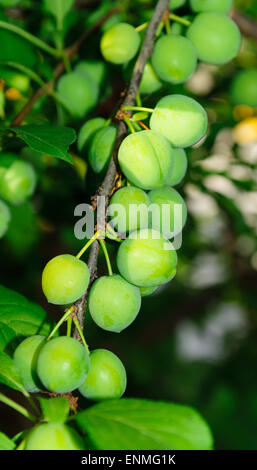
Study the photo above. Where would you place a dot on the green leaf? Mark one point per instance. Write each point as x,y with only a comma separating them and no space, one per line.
58,8
5,442
9,374
7,334
132,424
55,409
23,316
52,140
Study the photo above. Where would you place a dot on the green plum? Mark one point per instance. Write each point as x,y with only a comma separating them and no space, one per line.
63,364
78,93
114,303
17,182
54,436
15,79
101,147
216,37
150,82
95,69
133,213
65,279
182,120
146,258
25,358
180,167
223,6
88,130
174,58
107,376
5,217
145,291
146,159
244,87
174,4
120,43
173,220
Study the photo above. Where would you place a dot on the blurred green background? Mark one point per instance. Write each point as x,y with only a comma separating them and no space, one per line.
195,340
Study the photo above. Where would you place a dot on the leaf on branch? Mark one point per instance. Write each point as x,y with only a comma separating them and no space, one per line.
7,334
55,409
22,316
130,424
9,374
52,140
5,442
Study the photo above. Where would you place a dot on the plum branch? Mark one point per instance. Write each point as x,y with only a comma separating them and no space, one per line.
106,189
69,53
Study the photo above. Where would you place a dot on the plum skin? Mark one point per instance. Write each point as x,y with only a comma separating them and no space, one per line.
120,43
63,364
147,259
107,376
65,278
54,436
114,303
126,197
25,358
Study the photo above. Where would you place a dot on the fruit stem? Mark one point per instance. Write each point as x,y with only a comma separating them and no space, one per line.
138,108
87,245
17,407
110,233
129,124
109,266
60,322
142,26
167,26
143,125
138,99
30,37
179,19
76,322
69,324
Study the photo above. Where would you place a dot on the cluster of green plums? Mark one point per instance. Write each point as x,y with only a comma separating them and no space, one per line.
211,37
17,184
62,365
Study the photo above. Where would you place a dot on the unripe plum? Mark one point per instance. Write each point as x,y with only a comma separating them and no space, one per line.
65,278
15,79
145,291
150,82
216,37
244,87
182,120
174,4
107,376
173,223
223,6
78,93
120,43
101,147
135,203
180,167
146,159
25,358
5,217
174,58
114,303
54,436
88,130
95,69
17,182
147,259
63,364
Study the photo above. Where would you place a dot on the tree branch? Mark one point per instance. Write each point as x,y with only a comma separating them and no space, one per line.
109,181
70,52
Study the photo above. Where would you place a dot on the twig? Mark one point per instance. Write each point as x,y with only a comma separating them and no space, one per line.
247,25
109,181
70,52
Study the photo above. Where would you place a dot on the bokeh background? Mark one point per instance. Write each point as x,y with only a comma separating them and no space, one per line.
195,340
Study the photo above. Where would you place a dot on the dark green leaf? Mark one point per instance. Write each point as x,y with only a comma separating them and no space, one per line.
52,140
58,8
129,424
9,374
24,317
55,409
5,442
7,334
